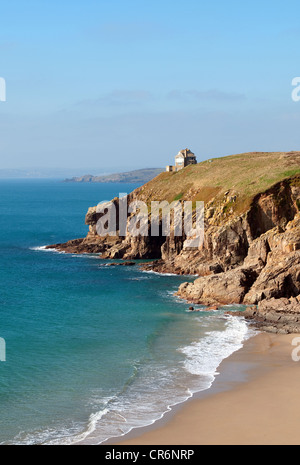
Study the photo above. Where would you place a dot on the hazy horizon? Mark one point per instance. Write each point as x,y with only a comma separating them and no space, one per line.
61,173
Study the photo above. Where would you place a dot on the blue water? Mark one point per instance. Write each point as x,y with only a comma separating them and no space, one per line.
91,351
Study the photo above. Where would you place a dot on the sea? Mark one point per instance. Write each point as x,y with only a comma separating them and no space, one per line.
92,351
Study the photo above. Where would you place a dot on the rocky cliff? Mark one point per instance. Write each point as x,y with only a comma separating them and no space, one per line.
251,248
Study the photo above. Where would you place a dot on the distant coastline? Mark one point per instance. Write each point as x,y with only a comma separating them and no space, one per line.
142,175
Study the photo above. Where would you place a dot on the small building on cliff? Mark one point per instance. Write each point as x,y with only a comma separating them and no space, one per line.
183,158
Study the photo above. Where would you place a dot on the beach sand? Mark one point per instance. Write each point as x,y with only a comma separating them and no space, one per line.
253,400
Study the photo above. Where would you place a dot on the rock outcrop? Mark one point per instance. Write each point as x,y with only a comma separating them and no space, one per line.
275,315
250,254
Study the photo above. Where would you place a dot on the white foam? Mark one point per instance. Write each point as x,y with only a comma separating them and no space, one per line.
204,357
144,401
92,423
44,248
168,274
64,436
159,274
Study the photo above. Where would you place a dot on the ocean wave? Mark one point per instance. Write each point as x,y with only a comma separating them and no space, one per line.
155,387
158,273
156,391
91,427
44,248
204,356
64,435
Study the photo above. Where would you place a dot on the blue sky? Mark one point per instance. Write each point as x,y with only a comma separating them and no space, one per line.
109,85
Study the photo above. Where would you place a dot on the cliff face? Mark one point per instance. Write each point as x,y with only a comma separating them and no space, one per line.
251,248
258,252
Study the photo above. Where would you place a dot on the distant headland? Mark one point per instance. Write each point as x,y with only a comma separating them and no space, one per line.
136,176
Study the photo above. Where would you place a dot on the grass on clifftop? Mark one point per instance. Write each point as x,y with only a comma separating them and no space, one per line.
243,175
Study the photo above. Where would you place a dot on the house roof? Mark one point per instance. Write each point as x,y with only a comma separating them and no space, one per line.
185,153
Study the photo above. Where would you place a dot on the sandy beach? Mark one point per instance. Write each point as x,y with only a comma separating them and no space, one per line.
254,400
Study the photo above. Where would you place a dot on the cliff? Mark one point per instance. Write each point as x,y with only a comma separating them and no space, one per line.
251,248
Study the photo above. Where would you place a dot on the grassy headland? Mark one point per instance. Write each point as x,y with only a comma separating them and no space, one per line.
244,176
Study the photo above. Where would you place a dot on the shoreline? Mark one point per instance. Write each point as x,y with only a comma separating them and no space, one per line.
251,401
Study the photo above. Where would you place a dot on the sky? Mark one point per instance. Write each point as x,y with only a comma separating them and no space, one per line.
99,86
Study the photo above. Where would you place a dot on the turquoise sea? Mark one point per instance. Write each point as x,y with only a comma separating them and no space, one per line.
91,351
